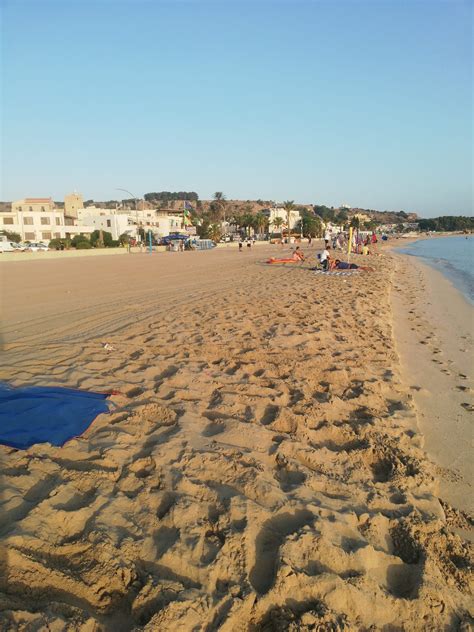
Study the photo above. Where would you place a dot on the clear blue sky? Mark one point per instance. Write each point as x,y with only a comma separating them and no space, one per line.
359,102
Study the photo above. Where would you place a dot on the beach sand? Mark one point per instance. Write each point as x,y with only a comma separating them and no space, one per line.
261,469
434,328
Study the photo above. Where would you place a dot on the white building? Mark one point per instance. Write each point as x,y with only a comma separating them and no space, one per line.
279,212
35,219
104,219
160,222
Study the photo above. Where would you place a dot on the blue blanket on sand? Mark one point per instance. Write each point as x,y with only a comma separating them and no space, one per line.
41,414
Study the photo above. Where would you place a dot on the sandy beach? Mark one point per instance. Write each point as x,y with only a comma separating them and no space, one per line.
274,458
434,329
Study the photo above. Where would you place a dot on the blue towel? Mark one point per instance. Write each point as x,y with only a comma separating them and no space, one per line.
42,414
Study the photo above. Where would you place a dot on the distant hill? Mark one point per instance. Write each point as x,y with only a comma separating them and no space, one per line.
175,201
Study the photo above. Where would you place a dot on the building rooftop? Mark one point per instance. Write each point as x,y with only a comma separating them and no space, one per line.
38,200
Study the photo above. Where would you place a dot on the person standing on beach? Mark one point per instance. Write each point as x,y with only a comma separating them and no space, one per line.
309,240
340,241
240,245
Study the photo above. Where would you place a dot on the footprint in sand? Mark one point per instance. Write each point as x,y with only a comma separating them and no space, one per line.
134,392
468,407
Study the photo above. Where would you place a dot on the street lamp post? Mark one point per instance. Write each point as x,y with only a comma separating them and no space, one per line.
136,208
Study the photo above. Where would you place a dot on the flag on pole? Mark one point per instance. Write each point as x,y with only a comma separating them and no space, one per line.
187,214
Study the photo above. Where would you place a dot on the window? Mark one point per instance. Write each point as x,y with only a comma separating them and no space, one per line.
45,220
28,221
31,209
29,236
109,223
42,209
46,235
57,235
8,220
58,221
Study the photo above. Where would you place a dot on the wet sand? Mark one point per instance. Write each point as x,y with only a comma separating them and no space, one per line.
434,329
262,468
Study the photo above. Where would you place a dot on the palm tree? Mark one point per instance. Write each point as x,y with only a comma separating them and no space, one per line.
247,221
235,219
220,202
261,221
289,206
355,222
277,222
214,231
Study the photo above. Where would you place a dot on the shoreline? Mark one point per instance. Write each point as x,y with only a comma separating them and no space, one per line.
456,277
433,332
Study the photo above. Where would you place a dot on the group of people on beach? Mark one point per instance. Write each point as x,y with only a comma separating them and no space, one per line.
330,263
249,242
327,262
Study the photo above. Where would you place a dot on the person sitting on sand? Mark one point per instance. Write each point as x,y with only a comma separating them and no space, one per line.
296,256
325,258
345,265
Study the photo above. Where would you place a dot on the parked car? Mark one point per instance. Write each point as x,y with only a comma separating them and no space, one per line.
9,246
37,247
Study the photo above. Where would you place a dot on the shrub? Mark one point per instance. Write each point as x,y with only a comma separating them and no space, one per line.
79,239
55,244
83,245
106,236
12,236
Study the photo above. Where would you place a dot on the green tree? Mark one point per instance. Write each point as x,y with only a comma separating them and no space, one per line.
312,225
355,222
97,239
342,217
214,231
325,213
219,205
77,239
247,222
278,223
448,223
371,224
12,236
289,206
236,219
260,222
427,224
124,239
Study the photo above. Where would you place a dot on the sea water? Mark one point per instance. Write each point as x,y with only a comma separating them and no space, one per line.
453,256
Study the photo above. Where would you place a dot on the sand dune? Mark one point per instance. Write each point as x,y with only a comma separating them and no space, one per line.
261,468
